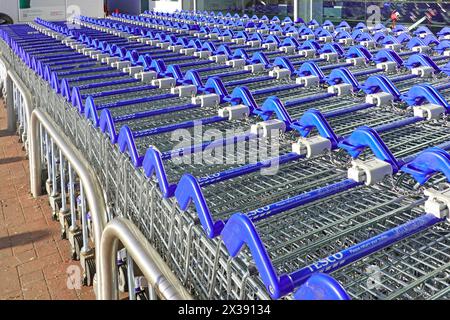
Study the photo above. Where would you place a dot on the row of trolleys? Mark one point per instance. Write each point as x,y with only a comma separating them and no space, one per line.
398,137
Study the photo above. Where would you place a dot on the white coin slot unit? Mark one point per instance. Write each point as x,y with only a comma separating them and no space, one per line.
199,34
188,51
358,61
388,66
270,46
346,41
438,203
380,99
287,49
100,56
132,70
68,41
308,81
238,40
369,44
110,60
213,36
311,146
163,45
294,35
146,76
85,51
152,42
184,91
235,112
121,64
307,37
202,54
370,172
94,53
225,38
394,46
77,46
429,111
341,89
164,83
254,43
280,73
254,68
421,49
236,63
326,39
348,29
175,47
268,128
329,56
307,53
206,100
218,58
423,71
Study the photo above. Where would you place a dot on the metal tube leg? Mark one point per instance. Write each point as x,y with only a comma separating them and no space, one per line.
54,195
49,169
73,213
87,259
130,275
10,105
64,213
84,226
74,234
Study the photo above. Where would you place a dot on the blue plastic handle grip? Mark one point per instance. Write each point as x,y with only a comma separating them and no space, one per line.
120,91
136,101
239,171
247,81
301,199
106,84
211,144
365,248
152,113
173,127
98,77
308,99
276,89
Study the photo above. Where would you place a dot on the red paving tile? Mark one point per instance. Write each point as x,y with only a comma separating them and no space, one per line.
33,258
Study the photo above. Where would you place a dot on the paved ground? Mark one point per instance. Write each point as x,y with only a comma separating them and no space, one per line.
33,258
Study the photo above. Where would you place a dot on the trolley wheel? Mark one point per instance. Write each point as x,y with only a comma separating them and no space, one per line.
123,278
48,186
5,19
142,295
67,222
78,244
89,272
55,216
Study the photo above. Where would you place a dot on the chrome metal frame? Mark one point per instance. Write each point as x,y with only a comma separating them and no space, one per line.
92,189
155,270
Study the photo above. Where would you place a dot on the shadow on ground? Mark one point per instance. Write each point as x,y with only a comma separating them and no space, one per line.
22,238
